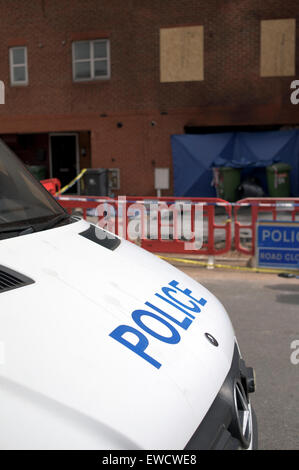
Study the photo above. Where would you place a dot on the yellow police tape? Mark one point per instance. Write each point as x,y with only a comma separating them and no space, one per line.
228,266
66,187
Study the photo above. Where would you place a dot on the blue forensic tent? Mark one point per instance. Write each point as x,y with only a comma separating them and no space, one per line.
194,157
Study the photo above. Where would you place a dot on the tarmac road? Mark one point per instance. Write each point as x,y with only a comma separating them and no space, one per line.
264,310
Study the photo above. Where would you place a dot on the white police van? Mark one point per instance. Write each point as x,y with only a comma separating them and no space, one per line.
102,344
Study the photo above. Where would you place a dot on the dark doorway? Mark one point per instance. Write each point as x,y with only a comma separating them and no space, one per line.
64,158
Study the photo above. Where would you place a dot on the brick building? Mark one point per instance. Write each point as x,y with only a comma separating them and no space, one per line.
104,83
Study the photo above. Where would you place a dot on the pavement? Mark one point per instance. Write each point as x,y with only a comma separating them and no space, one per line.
265,314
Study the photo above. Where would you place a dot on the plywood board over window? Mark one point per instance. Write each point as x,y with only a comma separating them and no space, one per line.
278,39
181,54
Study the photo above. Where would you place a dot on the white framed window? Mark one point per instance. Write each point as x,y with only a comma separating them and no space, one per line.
18,65
91,60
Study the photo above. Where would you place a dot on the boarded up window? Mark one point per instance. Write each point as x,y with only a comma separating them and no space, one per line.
181,54
278,47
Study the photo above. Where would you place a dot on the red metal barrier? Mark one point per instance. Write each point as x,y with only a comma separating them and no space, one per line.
258,205
53,185
121,218
82,202
179,245
123,208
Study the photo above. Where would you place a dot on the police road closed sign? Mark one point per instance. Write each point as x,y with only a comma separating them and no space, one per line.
277,244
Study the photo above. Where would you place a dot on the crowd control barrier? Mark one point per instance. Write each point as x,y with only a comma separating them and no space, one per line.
213,244
189,242
81,202
270,206
151,214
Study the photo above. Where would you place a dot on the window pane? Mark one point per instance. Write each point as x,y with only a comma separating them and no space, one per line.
82,50
100,49
100,68
19,74
18,56
82,70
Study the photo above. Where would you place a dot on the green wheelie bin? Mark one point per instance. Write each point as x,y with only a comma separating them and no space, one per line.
227,181
278,179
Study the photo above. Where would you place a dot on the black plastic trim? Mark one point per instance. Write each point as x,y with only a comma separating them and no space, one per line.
99,236
218,429
10,279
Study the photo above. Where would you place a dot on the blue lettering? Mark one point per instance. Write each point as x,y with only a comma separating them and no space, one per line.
175,305
138,348
187,292
173,339
184,324
167,290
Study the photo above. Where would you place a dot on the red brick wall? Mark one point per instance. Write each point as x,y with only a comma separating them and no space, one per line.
232,93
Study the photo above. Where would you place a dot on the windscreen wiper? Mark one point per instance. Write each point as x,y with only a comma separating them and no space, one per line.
45,225
15,228
30,228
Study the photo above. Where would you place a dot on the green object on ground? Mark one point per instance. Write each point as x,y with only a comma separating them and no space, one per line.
227,182
278,179
38,171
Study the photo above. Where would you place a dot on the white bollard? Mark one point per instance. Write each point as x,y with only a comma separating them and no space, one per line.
211,262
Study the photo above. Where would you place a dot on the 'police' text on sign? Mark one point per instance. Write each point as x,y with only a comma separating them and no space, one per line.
277,244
